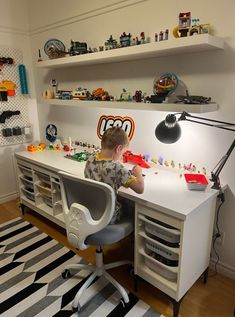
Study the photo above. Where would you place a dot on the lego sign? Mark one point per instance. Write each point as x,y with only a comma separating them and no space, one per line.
106,122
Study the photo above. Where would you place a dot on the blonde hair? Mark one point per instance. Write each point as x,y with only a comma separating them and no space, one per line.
113,137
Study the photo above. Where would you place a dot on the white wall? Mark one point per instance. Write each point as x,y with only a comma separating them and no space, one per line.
207,73
14,33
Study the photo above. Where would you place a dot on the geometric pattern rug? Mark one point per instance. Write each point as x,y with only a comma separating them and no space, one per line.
31,284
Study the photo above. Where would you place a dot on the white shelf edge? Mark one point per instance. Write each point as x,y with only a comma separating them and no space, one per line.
190,44
173,107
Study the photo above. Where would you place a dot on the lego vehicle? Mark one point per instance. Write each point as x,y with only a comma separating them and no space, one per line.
78,48
80,93
100,94
128,156
63,94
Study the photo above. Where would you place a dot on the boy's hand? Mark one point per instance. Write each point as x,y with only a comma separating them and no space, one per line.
137,171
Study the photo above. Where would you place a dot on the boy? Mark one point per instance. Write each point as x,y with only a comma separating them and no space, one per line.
106,167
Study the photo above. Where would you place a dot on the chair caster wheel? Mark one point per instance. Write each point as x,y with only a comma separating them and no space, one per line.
66,274
124,304
76,309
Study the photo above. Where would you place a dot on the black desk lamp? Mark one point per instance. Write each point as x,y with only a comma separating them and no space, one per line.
169,131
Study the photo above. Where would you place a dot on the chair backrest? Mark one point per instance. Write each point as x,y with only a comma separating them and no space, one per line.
88,207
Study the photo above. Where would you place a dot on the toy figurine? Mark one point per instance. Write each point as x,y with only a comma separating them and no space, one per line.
138,96
125,39
154,160
142,38
161,36
160,160
166,34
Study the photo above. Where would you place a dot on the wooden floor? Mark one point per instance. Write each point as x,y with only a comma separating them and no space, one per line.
214,299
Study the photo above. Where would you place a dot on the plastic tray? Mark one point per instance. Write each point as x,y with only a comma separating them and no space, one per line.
196,181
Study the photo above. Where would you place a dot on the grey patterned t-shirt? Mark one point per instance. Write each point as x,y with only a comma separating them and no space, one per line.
110,172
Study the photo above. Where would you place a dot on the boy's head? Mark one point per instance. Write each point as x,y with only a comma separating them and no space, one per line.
115,139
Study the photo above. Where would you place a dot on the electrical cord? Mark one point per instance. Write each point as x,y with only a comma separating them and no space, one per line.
217,234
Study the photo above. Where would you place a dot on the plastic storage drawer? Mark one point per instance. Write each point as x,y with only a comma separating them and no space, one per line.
161,254
161,270
170,237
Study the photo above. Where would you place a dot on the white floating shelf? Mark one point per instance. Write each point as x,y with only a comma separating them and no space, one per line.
174,107
190,44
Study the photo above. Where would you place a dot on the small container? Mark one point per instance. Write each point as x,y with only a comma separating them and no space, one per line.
196,181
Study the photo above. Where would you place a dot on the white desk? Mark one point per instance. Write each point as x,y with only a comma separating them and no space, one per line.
165,199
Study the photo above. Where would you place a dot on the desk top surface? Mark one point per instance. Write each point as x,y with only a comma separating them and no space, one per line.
164,190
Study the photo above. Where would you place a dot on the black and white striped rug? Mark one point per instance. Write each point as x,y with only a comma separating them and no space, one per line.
31,282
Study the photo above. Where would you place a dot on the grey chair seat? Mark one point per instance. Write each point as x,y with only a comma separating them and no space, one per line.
112,233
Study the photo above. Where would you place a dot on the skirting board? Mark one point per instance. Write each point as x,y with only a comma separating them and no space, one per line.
8,197
223,268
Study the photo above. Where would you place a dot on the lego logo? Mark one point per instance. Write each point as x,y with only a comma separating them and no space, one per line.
106,122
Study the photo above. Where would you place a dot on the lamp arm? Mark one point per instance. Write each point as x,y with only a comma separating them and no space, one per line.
220,165
213,125
185,115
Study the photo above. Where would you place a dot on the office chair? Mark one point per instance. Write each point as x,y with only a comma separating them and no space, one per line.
88,207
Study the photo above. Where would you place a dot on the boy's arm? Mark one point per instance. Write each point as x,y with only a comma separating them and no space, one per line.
138,184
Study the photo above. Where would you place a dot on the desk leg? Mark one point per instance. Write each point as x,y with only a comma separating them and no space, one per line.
176,307
136,283
22,207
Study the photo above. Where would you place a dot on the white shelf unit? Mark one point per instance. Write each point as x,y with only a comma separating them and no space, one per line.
40,191
174,107
191,44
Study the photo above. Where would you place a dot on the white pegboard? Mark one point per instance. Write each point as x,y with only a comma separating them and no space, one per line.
17,102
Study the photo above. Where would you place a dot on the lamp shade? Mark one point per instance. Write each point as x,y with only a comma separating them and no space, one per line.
168,131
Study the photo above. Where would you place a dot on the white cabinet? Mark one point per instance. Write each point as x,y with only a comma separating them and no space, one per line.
40,191
172,253
192,44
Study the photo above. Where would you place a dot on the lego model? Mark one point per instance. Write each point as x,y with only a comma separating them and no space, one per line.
100,94
31,148
110,43
125,96
78,48
184,23
80,93
128,156
63,94
54,48
188,27
125,39
192,99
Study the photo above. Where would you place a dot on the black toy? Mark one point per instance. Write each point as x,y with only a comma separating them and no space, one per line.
192,99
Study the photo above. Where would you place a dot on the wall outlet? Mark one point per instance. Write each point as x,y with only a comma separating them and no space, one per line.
220,239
